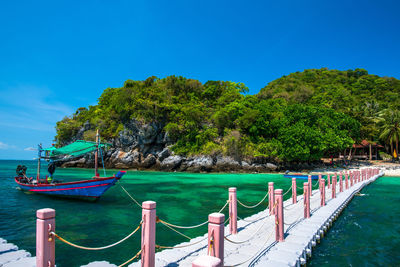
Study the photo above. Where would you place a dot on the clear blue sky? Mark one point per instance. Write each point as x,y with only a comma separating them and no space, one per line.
56,56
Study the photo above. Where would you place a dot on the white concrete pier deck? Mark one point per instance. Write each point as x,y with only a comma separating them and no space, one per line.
255,245
10,256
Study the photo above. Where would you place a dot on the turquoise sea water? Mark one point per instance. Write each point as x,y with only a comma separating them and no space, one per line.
367,233
182,198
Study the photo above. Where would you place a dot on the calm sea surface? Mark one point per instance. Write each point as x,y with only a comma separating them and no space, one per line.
365,232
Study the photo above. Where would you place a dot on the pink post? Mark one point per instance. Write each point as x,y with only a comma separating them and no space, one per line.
319,182
351,178
216,235
206,261
346,181
309,186
329,181
148,233
232,210
271,199
322,192
294,191
279,215
306,197
340,183
45,246
334,186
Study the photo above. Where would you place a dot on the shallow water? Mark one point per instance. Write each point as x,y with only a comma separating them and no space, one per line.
367,233
182,198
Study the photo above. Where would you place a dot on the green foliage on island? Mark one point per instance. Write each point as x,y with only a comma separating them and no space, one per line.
299,117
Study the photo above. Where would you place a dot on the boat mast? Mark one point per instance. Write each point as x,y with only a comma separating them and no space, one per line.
96,155
39,156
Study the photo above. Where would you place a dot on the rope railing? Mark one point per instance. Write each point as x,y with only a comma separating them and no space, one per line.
254,234
250,221
131,259
176,231
290,188
131,197
262,247
252,207
96,248
182,246
193,226
295,221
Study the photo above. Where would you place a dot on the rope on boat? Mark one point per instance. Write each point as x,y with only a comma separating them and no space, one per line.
252,207
129,195
102,160
182,246
262,247
194,226
131,259
97,248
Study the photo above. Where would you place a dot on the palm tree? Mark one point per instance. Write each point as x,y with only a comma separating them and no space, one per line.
389,121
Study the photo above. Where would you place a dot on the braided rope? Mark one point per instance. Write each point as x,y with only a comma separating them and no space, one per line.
254,234
96,248
183,246
252,207
131,259
262,247
176,231
129,195
287,191
193,226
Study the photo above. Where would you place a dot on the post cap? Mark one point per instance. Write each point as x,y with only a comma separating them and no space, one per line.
270,183
232,189
216,218
149,205
206,260
293,179
305,184
44,214
278,191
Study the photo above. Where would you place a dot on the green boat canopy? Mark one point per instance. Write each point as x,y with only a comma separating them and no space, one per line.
75,149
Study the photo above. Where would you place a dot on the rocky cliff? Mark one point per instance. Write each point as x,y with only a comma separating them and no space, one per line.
145,146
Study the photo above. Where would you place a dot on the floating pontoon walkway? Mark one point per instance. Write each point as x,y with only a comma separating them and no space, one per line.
10,256
255,245
282,235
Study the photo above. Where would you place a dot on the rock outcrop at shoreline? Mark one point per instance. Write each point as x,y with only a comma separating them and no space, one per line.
165,160
144,146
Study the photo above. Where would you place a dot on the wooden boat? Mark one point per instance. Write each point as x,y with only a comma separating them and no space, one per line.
301,176
91,189
86,189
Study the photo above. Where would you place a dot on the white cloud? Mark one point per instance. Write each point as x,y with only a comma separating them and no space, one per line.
5,146
30,149
31,107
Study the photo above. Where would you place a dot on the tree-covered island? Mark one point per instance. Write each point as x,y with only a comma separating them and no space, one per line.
176,123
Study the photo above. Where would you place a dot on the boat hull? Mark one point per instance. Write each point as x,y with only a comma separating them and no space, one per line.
301,176
87,189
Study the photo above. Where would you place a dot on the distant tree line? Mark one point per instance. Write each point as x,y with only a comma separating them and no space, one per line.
299,117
